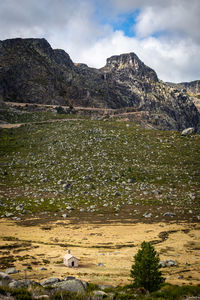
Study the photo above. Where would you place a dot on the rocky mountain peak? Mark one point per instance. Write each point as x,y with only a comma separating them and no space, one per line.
131,63
19,43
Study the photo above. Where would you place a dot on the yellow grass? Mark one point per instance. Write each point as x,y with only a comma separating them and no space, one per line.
101,243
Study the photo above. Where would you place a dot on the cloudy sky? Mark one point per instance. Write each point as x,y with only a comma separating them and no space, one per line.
163,33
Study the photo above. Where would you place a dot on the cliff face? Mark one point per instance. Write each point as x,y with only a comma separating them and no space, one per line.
193,87
32,72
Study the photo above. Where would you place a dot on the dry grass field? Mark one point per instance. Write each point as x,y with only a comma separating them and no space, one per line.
112,245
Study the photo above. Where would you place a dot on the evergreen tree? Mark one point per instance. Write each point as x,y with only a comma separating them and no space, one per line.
145,270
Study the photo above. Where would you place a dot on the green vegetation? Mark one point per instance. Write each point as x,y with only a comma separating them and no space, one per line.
18,294
145,270
98,166
170,292
17,116
175,292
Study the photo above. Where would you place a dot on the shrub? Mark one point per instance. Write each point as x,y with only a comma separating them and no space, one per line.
145,270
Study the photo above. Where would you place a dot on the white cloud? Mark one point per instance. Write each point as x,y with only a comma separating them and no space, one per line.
172,60
167,32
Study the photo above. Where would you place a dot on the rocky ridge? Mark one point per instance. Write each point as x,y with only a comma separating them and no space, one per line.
32,72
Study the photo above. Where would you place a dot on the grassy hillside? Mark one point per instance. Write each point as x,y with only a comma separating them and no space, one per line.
99,167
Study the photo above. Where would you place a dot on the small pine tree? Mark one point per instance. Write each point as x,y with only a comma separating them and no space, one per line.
145,270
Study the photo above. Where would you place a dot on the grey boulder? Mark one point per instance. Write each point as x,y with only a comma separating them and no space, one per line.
74,285
11,271
169,214
171,263
15,284
99,295
50,281
4,276
188,131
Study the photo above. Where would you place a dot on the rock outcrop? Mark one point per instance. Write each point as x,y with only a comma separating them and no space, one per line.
192,87
32,72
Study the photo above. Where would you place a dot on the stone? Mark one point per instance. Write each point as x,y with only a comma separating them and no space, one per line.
9,215
64,216
61,181
4,276
162,264
171,263
15,284
11,271
69,207
74,285
16,218
130,180
147,215
169,214
117,194
69,278
99,295
50,281
19,207
100,265
188,131
66,186
106,286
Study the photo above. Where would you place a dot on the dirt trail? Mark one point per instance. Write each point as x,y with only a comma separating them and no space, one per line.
112,245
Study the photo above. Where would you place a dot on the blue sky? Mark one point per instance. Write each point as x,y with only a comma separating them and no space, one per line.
164,34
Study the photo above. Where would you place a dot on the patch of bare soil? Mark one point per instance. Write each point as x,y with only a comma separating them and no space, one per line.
10,125
105,250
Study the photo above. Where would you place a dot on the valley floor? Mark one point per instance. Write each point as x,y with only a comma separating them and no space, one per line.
105,250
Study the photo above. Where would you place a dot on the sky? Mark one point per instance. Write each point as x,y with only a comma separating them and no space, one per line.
165,34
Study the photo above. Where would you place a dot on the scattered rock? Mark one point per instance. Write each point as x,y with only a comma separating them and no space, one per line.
100,265
69,208
50,281
15,284
117,194
163,264
16,218
11,271
169,214
64,215
4,276
69,278
130,180
188,131
147,215
74,285
8,214
99,295
106,286
19,207
61,181
171,263
42,297
43,269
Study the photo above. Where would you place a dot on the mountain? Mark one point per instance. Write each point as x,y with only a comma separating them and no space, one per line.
191,88
32,72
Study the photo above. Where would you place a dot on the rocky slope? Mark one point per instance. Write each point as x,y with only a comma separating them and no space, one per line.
192,87
32,72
